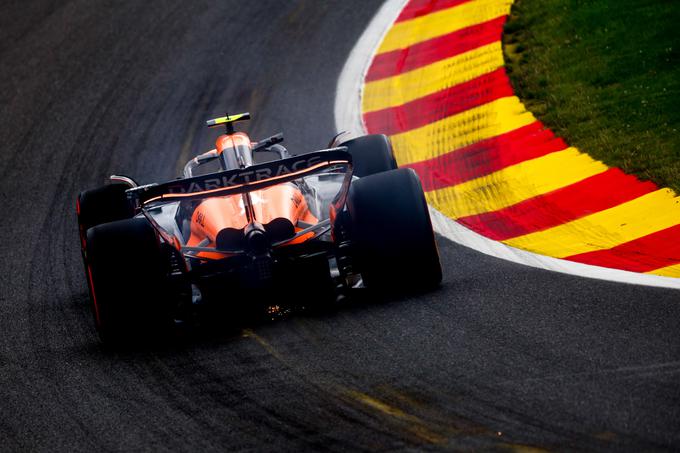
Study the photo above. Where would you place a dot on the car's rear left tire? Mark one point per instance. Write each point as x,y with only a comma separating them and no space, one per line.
393,242
103,204
128,280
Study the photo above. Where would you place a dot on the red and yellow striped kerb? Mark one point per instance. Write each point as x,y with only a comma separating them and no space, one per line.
437,85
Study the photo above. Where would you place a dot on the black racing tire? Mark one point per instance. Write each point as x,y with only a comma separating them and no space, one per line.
127,277
371,154
102,205
393,243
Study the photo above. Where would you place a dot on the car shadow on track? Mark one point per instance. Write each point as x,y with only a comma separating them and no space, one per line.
213,328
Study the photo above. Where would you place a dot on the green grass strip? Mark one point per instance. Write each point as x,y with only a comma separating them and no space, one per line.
605,76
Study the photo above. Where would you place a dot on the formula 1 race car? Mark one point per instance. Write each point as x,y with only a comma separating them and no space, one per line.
237,234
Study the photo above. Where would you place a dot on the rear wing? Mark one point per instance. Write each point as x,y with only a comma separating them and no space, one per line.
246,179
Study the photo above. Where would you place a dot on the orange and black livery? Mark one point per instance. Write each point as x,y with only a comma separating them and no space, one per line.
235,234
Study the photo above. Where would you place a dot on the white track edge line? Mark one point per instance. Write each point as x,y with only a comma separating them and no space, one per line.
351,81
348,118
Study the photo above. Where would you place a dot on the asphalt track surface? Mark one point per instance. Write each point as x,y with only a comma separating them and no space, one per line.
502,356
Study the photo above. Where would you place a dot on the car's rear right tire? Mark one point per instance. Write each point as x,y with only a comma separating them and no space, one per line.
371,154
393,242
127,277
